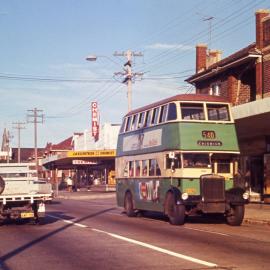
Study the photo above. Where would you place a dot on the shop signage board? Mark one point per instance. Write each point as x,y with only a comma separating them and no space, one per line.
92,153
95,122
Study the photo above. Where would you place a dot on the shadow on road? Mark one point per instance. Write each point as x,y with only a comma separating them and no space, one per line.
200,219
24,247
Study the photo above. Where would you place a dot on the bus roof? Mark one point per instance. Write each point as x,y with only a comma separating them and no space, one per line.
182,97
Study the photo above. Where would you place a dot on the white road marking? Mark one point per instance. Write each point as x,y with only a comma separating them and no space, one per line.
69,221
206,231
162,250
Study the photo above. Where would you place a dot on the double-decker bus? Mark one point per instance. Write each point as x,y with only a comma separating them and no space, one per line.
179,156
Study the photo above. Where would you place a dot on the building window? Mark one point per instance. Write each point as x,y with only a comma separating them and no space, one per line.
215,89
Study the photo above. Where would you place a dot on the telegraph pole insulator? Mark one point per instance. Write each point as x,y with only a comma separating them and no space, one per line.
129,75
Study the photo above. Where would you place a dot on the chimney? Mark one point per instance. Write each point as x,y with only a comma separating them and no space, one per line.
201,53
213,57
260,14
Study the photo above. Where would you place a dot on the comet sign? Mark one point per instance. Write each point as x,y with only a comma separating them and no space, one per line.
95,122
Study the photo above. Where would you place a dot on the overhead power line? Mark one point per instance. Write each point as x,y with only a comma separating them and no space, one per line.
51,79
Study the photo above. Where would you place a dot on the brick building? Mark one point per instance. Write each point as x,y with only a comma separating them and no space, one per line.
244,79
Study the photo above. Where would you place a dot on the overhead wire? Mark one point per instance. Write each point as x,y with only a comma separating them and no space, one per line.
50,79
158,58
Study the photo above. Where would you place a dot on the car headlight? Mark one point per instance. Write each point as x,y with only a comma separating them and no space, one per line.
245,195
184,196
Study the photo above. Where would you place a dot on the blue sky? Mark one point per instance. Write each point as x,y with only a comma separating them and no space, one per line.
44,45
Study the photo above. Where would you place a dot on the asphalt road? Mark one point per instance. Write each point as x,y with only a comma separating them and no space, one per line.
96,234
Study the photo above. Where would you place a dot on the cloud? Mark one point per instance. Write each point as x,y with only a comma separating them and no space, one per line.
174,46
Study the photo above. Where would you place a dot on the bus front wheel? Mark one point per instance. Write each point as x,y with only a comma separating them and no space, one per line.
236,215
128,205
175,212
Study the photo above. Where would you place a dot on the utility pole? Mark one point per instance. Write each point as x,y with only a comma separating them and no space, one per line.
19,126
32,117
129,76
6,143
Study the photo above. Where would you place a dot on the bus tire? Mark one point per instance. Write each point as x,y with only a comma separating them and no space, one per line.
236,215
2,185
128,205
175,212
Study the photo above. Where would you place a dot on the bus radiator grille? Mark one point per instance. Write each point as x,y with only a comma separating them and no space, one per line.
212,188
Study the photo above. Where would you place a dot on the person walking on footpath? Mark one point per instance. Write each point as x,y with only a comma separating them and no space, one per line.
69,184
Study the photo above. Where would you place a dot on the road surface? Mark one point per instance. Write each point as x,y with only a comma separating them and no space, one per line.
96,234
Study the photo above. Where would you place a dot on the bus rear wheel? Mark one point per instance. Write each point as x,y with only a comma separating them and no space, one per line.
236,215
175,212
128,205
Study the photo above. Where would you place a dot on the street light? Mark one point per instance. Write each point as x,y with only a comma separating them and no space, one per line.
93,58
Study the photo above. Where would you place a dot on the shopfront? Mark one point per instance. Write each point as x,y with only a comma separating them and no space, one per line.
86,168
253,133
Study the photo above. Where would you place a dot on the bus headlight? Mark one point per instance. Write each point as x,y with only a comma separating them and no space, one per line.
245,195
184,196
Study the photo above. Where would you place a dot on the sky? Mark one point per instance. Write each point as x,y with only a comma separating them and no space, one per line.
44,45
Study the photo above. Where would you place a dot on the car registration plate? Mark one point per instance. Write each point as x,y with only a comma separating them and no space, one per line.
27,215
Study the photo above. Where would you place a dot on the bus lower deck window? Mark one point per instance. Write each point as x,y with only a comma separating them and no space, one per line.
223,166
196,161
176,162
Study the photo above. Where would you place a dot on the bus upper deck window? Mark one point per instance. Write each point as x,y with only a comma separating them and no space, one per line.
163,113
172,114
128,123
123,125
155,116
134,122
148,119
192,111
141,119
218,112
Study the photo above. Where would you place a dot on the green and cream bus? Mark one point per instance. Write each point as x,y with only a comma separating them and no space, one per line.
179,156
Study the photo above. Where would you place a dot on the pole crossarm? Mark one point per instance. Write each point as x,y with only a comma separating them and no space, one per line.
128,74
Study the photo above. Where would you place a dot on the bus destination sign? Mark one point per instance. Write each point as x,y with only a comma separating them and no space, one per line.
209,137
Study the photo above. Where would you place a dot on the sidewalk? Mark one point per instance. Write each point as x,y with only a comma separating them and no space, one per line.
255,213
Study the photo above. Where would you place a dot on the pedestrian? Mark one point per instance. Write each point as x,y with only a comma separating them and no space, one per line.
90,182
69,184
